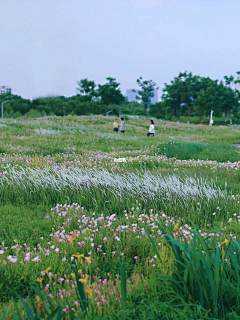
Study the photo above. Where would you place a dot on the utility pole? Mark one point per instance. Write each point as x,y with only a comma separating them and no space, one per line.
3,108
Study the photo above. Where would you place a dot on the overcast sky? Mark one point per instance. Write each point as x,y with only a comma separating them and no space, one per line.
48,45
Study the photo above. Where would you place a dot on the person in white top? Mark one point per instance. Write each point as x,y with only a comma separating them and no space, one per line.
115,126
151,130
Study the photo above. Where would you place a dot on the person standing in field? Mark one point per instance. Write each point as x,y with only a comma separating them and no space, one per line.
151,130
122,126
115,126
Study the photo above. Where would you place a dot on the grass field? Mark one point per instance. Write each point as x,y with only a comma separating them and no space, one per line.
104,225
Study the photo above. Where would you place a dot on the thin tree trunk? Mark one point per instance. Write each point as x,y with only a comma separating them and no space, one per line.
202,118
225,116
178,115
229,116
189,110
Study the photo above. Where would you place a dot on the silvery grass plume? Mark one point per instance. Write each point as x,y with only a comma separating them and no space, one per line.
135,117
46,131
147,186
60,128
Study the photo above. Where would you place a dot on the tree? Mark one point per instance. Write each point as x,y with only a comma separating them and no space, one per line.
109,93
207,98
229,81
158,110
146,92
179,95
86,89
172,97
190,89
237,81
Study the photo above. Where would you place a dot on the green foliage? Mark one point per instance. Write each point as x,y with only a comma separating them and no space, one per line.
110,93
207,273
187,150
146,92
87,90
188,94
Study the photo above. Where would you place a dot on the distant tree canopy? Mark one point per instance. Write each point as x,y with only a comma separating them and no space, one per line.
146,92
195,95
186,95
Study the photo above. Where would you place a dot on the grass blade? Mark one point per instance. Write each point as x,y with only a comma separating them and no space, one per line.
123,286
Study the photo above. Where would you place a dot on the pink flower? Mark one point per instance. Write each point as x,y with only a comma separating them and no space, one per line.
36,258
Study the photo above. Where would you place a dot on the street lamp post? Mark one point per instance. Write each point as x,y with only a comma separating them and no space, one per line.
211,119
3,108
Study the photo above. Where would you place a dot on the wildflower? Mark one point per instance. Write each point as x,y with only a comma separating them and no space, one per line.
78,256
40,280
176,227
89,291
74,234
45,271
88,259
36,258
226,241
73,275
84,280
80,271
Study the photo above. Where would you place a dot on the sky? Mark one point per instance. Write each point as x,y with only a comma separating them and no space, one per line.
49,45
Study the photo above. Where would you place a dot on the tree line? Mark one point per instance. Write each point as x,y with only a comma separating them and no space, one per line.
186,95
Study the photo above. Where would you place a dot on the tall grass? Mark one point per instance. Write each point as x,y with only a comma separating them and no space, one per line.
187,151
206,274
105,190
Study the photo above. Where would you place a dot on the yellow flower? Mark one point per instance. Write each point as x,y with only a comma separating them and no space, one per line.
37,297
80,271
176,227
46,271
73,275
89,291
226,241
74,234
84,280
88,259
40,280
78,256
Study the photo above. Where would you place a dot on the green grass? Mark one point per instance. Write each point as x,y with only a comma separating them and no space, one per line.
187,151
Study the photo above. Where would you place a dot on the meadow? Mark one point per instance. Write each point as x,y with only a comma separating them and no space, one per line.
87,235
